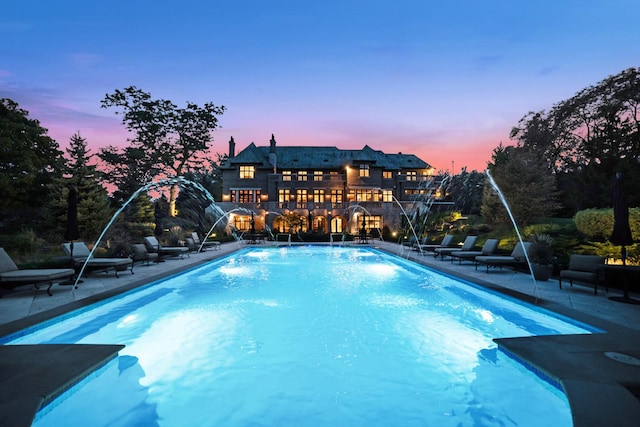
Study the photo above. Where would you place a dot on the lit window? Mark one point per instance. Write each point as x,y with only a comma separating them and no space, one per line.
364,170
286,175
301,198
317,175
284,195
412,176
387,175
247,172
318,196
374,222
336,196
245,196
387,195
364,195
302,175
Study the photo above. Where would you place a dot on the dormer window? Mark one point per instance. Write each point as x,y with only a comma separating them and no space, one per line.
364,170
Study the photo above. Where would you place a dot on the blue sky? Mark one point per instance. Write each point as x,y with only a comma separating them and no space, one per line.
444,80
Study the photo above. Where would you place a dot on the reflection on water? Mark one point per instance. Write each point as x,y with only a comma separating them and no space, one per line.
328,335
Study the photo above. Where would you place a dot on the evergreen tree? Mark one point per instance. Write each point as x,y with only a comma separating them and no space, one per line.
140,210
466,190
527,184
94,211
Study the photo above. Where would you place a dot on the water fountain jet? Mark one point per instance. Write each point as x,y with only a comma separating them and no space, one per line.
515,225
224,215
149,186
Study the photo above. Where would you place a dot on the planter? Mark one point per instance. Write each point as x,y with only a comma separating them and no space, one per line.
541,272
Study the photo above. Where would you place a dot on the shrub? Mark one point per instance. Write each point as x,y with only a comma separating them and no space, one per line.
140,230
176,236
595,223
541,249
26,241
118,243
484,228
386,233
598,223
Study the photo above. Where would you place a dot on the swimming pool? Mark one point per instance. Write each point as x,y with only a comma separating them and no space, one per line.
307,336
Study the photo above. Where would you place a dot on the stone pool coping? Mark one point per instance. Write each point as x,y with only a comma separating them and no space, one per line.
31,379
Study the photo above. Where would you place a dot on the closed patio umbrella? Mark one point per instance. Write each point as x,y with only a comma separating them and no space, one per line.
621,234
72,232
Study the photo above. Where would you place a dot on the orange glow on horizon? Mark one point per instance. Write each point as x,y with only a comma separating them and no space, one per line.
450,156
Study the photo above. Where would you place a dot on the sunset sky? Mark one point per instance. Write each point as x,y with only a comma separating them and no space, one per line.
443,80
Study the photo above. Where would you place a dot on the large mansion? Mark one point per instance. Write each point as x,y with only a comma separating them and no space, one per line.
328,189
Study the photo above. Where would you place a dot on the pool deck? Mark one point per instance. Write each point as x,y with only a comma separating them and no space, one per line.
598,372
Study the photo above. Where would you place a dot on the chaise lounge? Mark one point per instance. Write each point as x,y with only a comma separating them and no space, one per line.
81,255
11,275
139,253
516,258
489,247
447,242
154,246
207,243
467,245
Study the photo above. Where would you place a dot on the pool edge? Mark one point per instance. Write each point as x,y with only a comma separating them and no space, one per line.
29,384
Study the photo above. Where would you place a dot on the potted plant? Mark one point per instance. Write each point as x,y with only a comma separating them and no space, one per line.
541,256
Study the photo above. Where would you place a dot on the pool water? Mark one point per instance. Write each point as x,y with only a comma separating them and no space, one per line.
307,336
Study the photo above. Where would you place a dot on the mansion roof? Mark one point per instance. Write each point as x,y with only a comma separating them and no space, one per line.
299,157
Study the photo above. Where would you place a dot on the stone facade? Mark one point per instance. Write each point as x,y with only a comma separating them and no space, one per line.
322,189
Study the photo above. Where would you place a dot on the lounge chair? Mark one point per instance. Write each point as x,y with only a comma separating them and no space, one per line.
11,275
516,258
81,253
447,242
467,245
489,247
139,253
153,246
584,269
207,243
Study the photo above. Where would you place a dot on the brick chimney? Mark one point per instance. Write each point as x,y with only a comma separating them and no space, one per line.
232,148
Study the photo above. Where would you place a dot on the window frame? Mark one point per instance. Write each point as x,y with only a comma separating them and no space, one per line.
247,172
